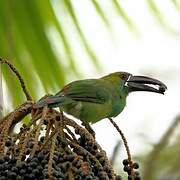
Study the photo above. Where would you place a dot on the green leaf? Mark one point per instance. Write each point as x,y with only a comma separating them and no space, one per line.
160,17
176,4
89,50
101,12
49,18
124,15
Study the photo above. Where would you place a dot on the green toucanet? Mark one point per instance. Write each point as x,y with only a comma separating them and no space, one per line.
91,100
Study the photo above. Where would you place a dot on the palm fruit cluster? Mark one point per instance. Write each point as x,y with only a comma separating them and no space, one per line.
132,173
51,146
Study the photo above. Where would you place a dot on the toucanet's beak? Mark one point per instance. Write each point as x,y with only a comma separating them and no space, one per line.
143,83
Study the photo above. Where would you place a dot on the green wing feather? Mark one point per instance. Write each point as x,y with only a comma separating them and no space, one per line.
89,90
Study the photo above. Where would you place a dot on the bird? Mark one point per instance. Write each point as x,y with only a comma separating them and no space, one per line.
92,100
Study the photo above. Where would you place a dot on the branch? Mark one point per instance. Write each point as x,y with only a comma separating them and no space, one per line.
18,114
27,94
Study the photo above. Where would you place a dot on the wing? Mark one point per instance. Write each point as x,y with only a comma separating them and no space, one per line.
89,90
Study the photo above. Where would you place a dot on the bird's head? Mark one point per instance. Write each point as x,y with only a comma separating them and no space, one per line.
130,83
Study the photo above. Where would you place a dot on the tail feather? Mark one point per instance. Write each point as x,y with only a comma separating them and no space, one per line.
50,101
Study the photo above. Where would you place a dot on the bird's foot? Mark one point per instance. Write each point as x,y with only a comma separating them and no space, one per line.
89,128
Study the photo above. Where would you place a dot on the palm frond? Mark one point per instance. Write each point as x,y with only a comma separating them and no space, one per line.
25,40
89,50
160,17
128,21
176,4
101,12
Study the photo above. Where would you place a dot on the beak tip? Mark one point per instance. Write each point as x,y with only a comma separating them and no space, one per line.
162,89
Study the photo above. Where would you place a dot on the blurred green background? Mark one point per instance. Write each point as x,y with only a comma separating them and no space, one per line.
53,42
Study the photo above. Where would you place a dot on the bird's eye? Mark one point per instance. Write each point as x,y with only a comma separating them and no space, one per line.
123,76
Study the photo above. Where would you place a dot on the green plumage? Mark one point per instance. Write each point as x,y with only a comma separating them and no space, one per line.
91,100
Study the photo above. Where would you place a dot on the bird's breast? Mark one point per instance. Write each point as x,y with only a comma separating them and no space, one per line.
117,107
